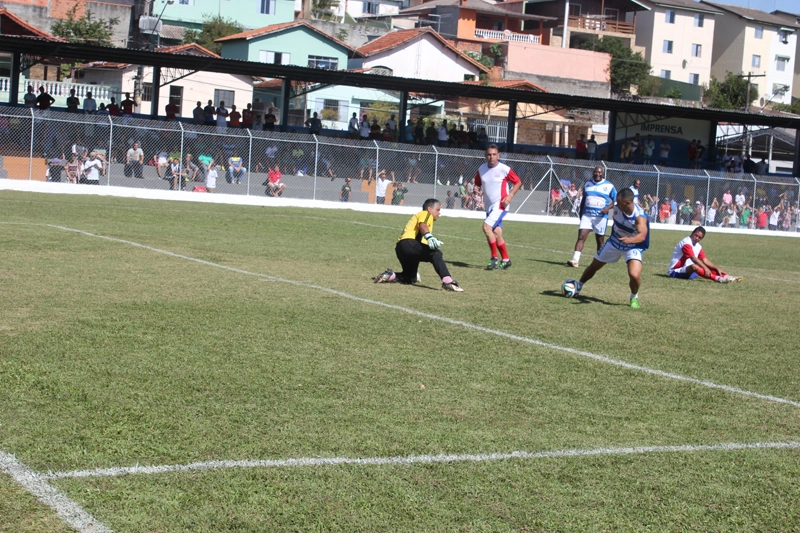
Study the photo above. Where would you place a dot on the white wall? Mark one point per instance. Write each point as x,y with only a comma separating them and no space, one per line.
424,58
683,35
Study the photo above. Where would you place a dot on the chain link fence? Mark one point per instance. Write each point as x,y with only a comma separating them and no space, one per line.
129,152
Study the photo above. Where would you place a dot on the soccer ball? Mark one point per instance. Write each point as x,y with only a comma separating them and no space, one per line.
569,288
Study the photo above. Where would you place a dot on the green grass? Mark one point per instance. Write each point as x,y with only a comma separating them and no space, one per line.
115,355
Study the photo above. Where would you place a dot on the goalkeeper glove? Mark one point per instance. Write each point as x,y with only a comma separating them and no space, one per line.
433,242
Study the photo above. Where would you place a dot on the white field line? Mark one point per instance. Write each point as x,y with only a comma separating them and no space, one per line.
416,459
468,325
68,510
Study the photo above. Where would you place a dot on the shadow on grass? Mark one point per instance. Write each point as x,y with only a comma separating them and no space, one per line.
581,298
461,264
557,263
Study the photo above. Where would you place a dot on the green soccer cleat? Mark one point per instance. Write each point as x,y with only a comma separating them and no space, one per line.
493,262
504,265
635,303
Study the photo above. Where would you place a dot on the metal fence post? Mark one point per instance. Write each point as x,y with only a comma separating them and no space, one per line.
658,183
110,149
755,189
435,169
249,159
181,185
30,165
708,187
316,165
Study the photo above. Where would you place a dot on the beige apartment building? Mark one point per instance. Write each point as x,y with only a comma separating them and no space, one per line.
678,38
751,41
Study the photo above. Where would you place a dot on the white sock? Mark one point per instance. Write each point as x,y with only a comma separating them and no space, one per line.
576,257
634,295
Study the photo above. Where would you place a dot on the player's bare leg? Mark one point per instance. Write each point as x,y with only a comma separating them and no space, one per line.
590,271
635,275
492,239
583,234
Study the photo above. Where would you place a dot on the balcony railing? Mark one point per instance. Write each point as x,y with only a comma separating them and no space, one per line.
507,36
599,23
59,89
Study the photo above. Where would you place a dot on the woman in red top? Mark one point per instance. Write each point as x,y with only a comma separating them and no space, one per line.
664,212
762,218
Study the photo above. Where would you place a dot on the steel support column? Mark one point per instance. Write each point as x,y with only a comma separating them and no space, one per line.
612,137
712,141
512,125
156,92
13,86
402,119
796,165
286,97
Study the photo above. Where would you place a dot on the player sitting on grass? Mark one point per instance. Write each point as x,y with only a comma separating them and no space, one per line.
630,237
689,260
417,244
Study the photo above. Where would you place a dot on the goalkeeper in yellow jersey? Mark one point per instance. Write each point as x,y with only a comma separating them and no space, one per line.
417,244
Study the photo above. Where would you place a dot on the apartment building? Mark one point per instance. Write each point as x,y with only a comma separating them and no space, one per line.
793,18
678,39
751,41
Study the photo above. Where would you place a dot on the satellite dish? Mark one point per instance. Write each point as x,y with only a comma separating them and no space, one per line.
761,101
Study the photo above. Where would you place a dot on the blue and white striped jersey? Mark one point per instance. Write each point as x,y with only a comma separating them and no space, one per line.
625,226
596,196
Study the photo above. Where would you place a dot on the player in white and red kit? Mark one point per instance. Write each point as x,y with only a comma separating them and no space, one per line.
499,184
689,260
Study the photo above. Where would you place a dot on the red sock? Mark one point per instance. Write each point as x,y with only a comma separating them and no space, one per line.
493,247
503,252
713,275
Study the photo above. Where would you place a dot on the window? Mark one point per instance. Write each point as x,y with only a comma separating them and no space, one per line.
497,25
327,63
221,95
274,58
697,49
370,8
756,61
694,79
611,14
176,97
759,32
782,62
699,20
667,47
666,74
784,36
779,89
670,18
574,9
266,7
147,92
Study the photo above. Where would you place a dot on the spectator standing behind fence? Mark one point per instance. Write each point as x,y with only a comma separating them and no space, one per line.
189,170
686,212
663,151
697,214
375,130
648,147
711,213
171,111
419,132
134,159
211,176
762,167
392,125
198,116
92,169
234,118
314,124
441,134
247,117
409,133
89,104
113,108
72,102
275,186
44,100
625,152
363,129
208,113
270,120
344,194
352,127
591,149
580,147
127,106
222,117
175,175
382,181
30,97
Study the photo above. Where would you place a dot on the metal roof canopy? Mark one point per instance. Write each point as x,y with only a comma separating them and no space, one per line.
42,48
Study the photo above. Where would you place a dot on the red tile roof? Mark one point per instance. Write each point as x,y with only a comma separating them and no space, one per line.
190,48
27,30
275,28
396,38
510,84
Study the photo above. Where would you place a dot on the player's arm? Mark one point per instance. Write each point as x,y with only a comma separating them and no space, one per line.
517,183
583,202
610,206
641,232
706,263
425,231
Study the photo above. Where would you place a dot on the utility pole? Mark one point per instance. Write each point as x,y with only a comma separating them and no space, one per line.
746,133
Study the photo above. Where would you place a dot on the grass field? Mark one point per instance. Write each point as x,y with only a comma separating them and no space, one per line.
155,333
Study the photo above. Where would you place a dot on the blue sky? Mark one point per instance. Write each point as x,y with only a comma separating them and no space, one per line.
791,6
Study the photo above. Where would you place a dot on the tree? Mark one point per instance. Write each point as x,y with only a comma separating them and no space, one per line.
213,28
674,92
731,93
794,107
626,67
85,29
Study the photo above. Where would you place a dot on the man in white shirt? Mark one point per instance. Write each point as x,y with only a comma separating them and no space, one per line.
134,159
441,134
89,104
222,118
392,125
92,169
30,97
